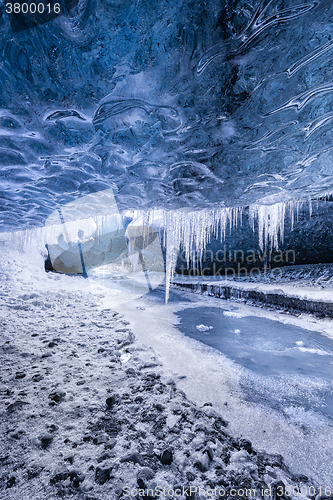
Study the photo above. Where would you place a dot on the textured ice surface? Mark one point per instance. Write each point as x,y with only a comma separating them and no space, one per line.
284,365
171,104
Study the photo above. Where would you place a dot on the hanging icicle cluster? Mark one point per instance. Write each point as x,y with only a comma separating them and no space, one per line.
182,230
191,231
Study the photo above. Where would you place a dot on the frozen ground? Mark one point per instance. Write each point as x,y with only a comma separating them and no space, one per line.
302,437
86,410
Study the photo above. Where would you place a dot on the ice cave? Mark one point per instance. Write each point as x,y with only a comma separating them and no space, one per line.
166,262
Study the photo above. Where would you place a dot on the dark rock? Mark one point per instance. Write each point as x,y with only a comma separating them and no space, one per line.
57,396
112,400
142,485
37,378
159,407
110,444
102,474
219,422
246,445
99,439
60,476
190,476
18,405
75,477
34,471
11,481
223,482
19,375
52,344
81,382
166,456
303,479
103,457
69,459
201,466
148,416
130,372
278,490
17,435
46,440
135,458
138,399
52,428
46,355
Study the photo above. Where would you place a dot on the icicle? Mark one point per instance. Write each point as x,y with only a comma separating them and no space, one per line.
270,223
184,230
292,214
191,232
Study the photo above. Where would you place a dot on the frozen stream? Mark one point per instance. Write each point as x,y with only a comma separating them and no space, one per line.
287,367
268,374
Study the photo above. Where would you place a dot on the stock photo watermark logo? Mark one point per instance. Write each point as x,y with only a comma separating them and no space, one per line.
27,14
229,262
89,237
277,490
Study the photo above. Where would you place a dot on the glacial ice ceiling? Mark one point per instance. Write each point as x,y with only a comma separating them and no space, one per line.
170,103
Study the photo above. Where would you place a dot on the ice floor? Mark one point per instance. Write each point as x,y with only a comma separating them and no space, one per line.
279,415
283,366
261,386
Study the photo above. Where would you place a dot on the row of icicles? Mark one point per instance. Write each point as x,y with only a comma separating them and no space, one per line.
181,230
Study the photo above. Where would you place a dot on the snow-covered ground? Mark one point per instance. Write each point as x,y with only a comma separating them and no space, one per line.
87,411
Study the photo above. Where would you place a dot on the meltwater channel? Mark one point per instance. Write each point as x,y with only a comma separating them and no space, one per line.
284,366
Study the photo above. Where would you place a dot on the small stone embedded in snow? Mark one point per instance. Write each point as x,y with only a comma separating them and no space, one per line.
125,357
241,456
204,328
210,412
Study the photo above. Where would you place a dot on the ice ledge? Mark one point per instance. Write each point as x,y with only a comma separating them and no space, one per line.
287,298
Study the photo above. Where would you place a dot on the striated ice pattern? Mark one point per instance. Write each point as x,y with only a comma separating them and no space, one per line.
170,104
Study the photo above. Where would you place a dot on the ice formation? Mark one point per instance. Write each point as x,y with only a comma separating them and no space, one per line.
102,238
175,107
188,114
